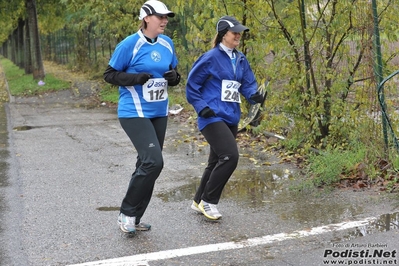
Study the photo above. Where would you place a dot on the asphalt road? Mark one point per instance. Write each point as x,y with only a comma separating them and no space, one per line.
65,166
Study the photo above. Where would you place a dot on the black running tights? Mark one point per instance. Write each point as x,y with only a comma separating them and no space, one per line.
147,136
222,161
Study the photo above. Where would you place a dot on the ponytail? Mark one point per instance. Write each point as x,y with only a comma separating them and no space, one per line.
219,37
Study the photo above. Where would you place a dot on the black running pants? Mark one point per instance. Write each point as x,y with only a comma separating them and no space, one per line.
147,136
222,161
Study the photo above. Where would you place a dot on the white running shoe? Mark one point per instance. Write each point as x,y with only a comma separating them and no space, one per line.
209,210
194,206
127,223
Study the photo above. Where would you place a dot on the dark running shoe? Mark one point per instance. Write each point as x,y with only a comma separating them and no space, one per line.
142,227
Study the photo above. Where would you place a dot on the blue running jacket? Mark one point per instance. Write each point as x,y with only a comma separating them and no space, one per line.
204,85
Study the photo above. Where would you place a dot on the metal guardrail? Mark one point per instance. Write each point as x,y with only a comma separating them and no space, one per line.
385,115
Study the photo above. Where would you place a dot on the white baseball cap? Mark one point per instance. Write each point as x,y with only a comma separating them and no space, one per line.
154,7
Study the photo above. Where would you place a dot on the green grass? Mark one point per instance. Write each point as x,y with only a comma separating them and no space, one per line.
21,84
109,93
327,168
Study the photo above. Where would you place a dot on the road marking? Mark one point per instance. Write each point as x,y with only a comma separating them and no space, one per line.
143,259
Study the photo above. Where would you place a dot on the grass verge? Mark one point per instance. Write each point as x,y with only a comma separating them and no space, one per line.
21,84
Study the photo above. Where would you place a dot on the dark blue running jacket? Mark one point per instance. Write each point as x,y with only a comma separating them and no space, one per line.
204,82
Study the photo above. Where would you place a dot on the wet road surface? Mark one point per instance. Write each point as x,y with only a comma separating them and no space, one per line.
65,166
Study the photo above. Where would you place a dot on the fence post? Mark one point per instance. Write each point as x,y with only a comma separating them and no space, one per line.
378,70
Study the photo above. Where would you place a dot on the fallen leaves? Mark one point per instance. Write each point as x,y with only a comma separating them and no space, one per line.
358,179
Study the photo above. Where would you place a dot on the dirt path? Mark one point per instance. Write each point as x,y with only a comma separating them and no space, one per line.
81,84
62,72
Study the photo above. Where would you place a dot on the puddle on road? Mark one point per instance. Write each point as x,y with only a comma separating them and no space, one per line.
383,223
192,148
259,189
108,209
22,128
249,186
253,189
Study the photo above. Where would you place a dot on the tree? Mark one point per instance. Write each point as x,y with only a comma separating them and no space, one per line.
197,27
19,21
10,12
325,67
35,50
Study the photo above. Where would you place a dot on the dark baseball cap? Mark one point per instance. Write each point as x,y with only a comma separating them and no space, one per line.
231,24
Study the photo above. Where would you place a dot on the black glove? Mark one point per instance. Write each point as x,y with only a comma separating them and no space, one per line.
257,97
172,76
121,78
207,112
141,78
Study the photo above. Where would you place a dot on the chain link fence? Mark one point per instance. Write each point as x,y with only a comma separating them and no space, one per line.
80,49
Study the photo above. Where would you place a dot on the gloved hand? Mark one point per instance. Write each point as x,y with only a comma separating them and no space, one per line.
172,76
142,78
207,112
121,78
257,97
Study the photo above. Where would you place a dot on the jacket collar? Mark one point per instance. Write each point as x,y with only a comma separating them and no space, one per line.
235,51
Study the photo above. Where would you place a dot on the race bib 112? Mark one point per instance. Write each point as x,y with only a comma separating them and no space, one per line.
155,90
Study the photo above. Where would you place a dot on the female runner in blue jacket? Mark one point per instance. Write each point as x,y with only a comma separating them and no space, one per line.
214,86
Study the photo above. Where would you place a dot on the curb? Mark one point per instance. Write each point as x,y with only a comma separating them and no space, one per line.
5,95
